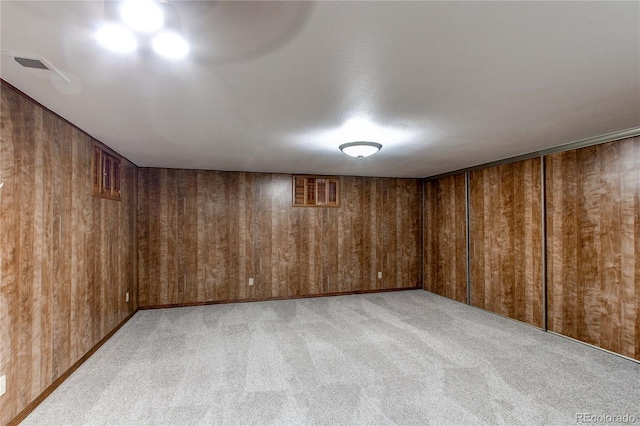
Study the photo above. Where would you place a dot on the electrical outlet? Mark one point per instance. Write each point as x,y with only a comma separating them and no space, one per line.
380,274
250,281
126,297
3,385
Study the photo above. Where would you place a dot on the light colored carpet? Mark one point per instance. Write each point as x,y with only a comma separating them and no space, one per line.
406,357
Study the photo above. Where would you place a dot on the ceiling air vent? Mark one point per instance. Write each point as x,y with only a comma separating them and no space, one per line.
31,63
38,67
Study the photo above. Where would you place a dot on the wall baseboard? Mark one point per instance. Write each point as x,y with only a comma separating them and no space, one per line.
628,358
637,361
267,299
64,376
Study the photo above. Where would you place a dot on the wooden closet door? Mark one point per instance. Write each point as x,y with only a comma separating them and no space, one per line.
593,245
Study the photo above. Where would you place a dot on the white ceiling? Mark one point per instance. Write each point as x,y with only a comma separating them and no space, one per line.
278,86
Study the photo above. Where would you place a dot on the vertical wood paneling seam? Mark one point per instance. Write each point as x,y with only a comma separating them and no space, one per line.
543,235
423,184
468,235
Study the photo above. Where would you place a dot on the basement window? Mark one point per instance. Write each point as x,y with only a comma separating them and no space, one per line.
105,174
316,191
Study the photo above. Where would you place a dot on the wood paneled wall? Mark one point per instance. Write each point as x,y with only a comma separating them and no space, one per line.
505,217
445,237
66,258
593,245
203,234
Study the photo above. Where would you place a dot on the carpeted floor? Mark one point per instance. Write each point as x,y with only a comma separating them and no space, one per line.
406,357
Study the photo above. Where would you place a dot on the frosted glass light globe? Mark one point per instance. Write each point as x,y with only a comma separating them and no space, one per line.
116,38
171,45
360,149
142,15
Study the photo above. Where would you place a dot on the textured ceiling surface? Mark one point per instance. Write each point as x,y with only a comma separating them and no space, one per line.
278,86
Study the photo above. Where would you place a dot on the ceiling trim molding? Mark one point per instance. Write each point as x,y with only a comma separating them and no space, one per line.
582,143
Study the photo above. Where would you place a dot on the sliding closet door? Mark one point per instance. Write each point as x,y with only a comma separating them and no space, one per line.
593,245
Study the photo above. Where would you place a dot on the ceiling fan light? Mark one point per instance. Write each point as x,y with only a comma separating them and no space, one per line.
116,38
360,149
171,45
142,15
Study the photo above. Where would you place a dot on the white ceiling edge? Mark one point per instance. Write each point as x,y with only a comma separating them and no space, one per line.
274,86
582,143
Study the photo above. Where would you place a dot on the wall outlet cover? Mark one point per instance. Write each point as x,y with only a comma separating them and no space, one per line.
379,274
126,297
3,385
250,281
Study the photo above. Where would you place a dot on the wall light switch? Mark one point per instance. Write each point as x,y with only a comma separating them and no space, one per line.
379,274
126,297
3,385
250,281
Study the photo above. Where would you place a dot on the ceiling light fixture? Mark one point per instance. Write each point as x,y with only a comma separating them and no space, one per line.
157,26
170,45
142,15
116,38
360,149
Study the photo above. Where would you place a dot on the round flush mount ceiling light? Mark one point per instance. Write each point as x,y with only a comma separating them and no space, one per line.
171,45
116,38
360,149
142,15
